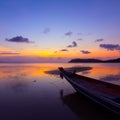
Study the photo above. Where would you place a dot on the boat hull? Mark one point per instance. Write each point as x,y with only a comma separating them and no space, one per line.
105,102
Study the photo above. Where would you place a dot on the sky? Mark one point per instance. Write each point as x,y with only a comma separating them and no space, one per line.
59,30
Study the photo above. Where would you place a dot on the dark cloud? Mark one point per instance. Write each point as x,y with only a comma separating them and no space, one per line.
110,46
74,44
70,46
85,52
19,39
8,53
99,40
64,50
69,33
46,30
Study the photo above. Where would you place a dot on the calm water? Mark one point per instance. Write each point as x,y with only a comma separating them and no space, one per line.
27,92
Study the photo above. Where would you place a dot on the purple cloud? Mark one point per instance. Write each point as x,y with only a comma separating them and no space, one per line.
69,46
19,39
110,46
64,50
74,44
99,40
79,33
69,33
85,52
9,53
79,39
46,30
89,34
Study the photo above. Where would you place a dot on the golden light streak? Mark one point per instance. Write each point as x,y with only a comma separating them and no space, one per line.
71,53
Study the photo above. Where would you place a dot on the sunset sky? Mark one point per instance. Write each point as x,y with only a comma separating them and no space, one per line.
58,30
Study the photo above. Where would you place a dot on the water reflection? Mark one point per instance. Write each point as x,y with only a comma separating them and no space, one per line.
14,71
115,79
111,77
27,92
18,86
109,72
86,109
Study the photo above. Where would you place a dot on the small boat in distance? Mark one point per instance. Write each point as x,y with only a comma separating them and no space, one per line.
106,94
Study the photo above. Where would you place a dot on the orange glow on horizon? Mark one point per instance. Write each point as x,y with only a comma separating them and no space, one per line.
5,49
71,53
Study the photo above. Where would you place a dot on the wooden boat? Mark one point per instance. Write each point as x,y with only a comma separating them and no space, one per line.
106,94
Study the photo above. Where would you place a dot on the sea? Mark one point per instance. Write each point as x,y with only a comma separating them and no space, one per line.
32,92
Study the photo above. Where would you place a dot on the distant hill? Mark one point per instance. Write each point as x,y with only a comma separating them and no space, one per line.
94,61
113,60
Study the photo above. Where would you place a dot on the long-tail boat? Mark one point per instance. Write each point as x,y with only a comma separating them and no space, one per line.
104,93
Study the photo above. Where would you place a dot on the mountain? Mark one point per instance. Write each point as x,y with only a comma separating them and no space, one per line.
94,61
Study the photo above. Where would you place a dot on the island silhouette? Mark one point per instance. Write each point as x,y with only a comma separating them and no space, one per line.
78,60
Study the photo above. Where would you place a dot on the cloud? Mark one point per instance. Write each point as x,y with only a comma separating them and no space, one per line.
99,40
85,52
19,39
79,39
63,50
89,34
46,30
8,53
79,33
74,44
69,33
30,59
110,46
69,46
